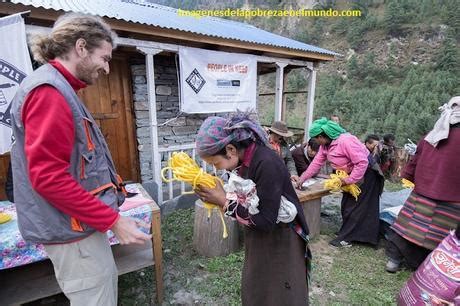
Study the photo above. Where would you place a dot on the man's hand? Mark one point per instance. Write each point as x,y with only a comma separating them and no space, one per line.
214,195
127,232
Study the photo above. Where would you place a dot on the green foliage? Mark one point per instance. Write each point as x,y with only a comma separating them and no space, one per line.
340,26
451,16
448,56
357,28
390,96
296,81
325,4
311,32
382,91
394,17
369,71
365,73
266,109
407,108
353,71
392,70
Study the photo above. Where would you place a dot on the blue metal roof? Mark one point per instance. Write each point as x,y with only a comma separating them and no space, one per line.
143,12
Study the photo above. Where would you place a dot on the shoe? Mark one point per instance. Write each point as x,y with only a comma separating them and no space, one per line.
340,243
392,266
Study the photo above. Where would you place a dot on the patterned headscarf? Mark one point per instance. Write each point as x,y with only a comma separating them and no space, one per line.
331,128
217,132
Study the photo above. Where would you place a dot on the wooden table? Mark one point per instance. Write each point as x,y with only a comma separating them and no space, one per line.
310,199
36,280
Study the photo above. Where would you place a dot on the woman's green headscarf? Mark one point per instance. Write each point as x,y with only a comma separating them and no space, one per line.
331,128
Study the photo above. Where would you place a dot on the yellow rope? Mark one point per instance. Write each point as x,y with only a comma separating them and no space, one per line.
185,169
407,184
4,218
334,184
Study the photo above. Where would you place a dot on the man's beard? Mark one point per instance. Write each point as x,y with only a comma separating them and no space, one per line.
85,70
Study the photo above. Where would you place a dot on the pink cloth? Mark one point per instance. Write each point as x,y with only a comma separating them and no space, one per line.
344,153
134,202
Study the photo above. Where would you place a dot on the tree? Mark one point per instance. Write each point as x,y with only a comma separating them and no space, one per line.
355,33
452,16
448,55
369,70
394,17
352,68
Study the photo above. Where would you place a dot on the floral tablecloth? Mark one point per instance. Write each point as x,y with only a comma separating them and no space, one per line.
14,251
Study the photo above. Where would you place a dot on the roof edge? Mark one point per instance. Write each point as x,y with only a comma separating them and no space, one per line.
50,14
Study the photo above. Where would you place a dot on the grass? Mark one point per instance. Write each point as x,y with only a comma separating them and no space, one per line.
356,277
225,277
188,277
353,276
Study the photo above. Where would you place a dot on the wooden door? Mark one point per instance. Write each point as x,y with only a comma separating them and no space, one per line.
109,101
4,161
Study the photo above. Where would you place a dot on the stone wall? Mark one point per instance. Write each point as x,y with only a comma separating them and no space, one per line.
180,130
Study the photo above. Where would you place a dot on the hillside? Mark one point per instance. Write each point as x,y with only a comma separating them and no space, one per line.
400,61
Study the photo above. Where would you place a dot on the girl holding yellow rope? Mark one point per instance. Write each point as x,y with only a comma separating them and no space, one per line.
349,158
275,267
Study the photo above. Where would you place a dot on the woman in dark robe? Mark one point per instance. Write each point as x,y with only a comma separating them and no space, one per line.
433,207
276,253
360,217
9,184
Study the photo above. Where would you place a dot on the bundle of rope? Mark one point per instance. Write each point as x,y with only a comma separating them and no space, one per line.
185,169
334,184
407,184
4,218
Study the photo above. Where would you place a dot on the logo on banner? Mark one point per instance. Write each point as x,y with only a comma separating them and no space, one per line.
10,77
195,81
228,83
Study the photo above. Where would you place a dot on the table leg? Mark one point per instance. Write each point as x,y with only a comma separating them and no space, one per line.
312,212
157,246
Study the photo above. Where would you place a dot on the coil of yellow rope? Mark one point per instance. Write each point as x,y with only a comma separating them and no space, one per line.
4,218
407,184
186,170
334,184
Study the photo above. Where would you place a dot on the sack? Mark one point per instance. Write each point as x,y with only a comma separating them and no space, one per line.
287,211
437,280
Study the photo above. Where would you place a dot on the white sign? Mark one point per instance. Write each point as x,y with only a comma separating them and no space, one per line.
215,82
15,65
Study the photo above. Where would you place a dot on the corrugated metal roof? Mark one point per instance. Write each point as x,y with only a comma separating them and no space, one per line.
143,12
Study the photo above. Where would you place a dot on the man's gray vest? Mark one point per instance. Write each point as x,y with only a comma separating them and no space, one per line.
90,164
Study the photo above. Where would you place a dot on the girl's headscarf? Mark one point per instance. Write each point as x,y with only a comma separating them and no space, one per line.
331,128
217,132
450,114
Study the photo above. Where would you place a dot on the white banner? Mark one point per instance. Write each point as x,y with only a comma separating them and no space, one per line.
15,65
215,82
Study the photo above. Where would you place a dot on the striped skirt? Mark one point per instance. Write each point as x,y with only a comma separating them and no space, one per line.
426,222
